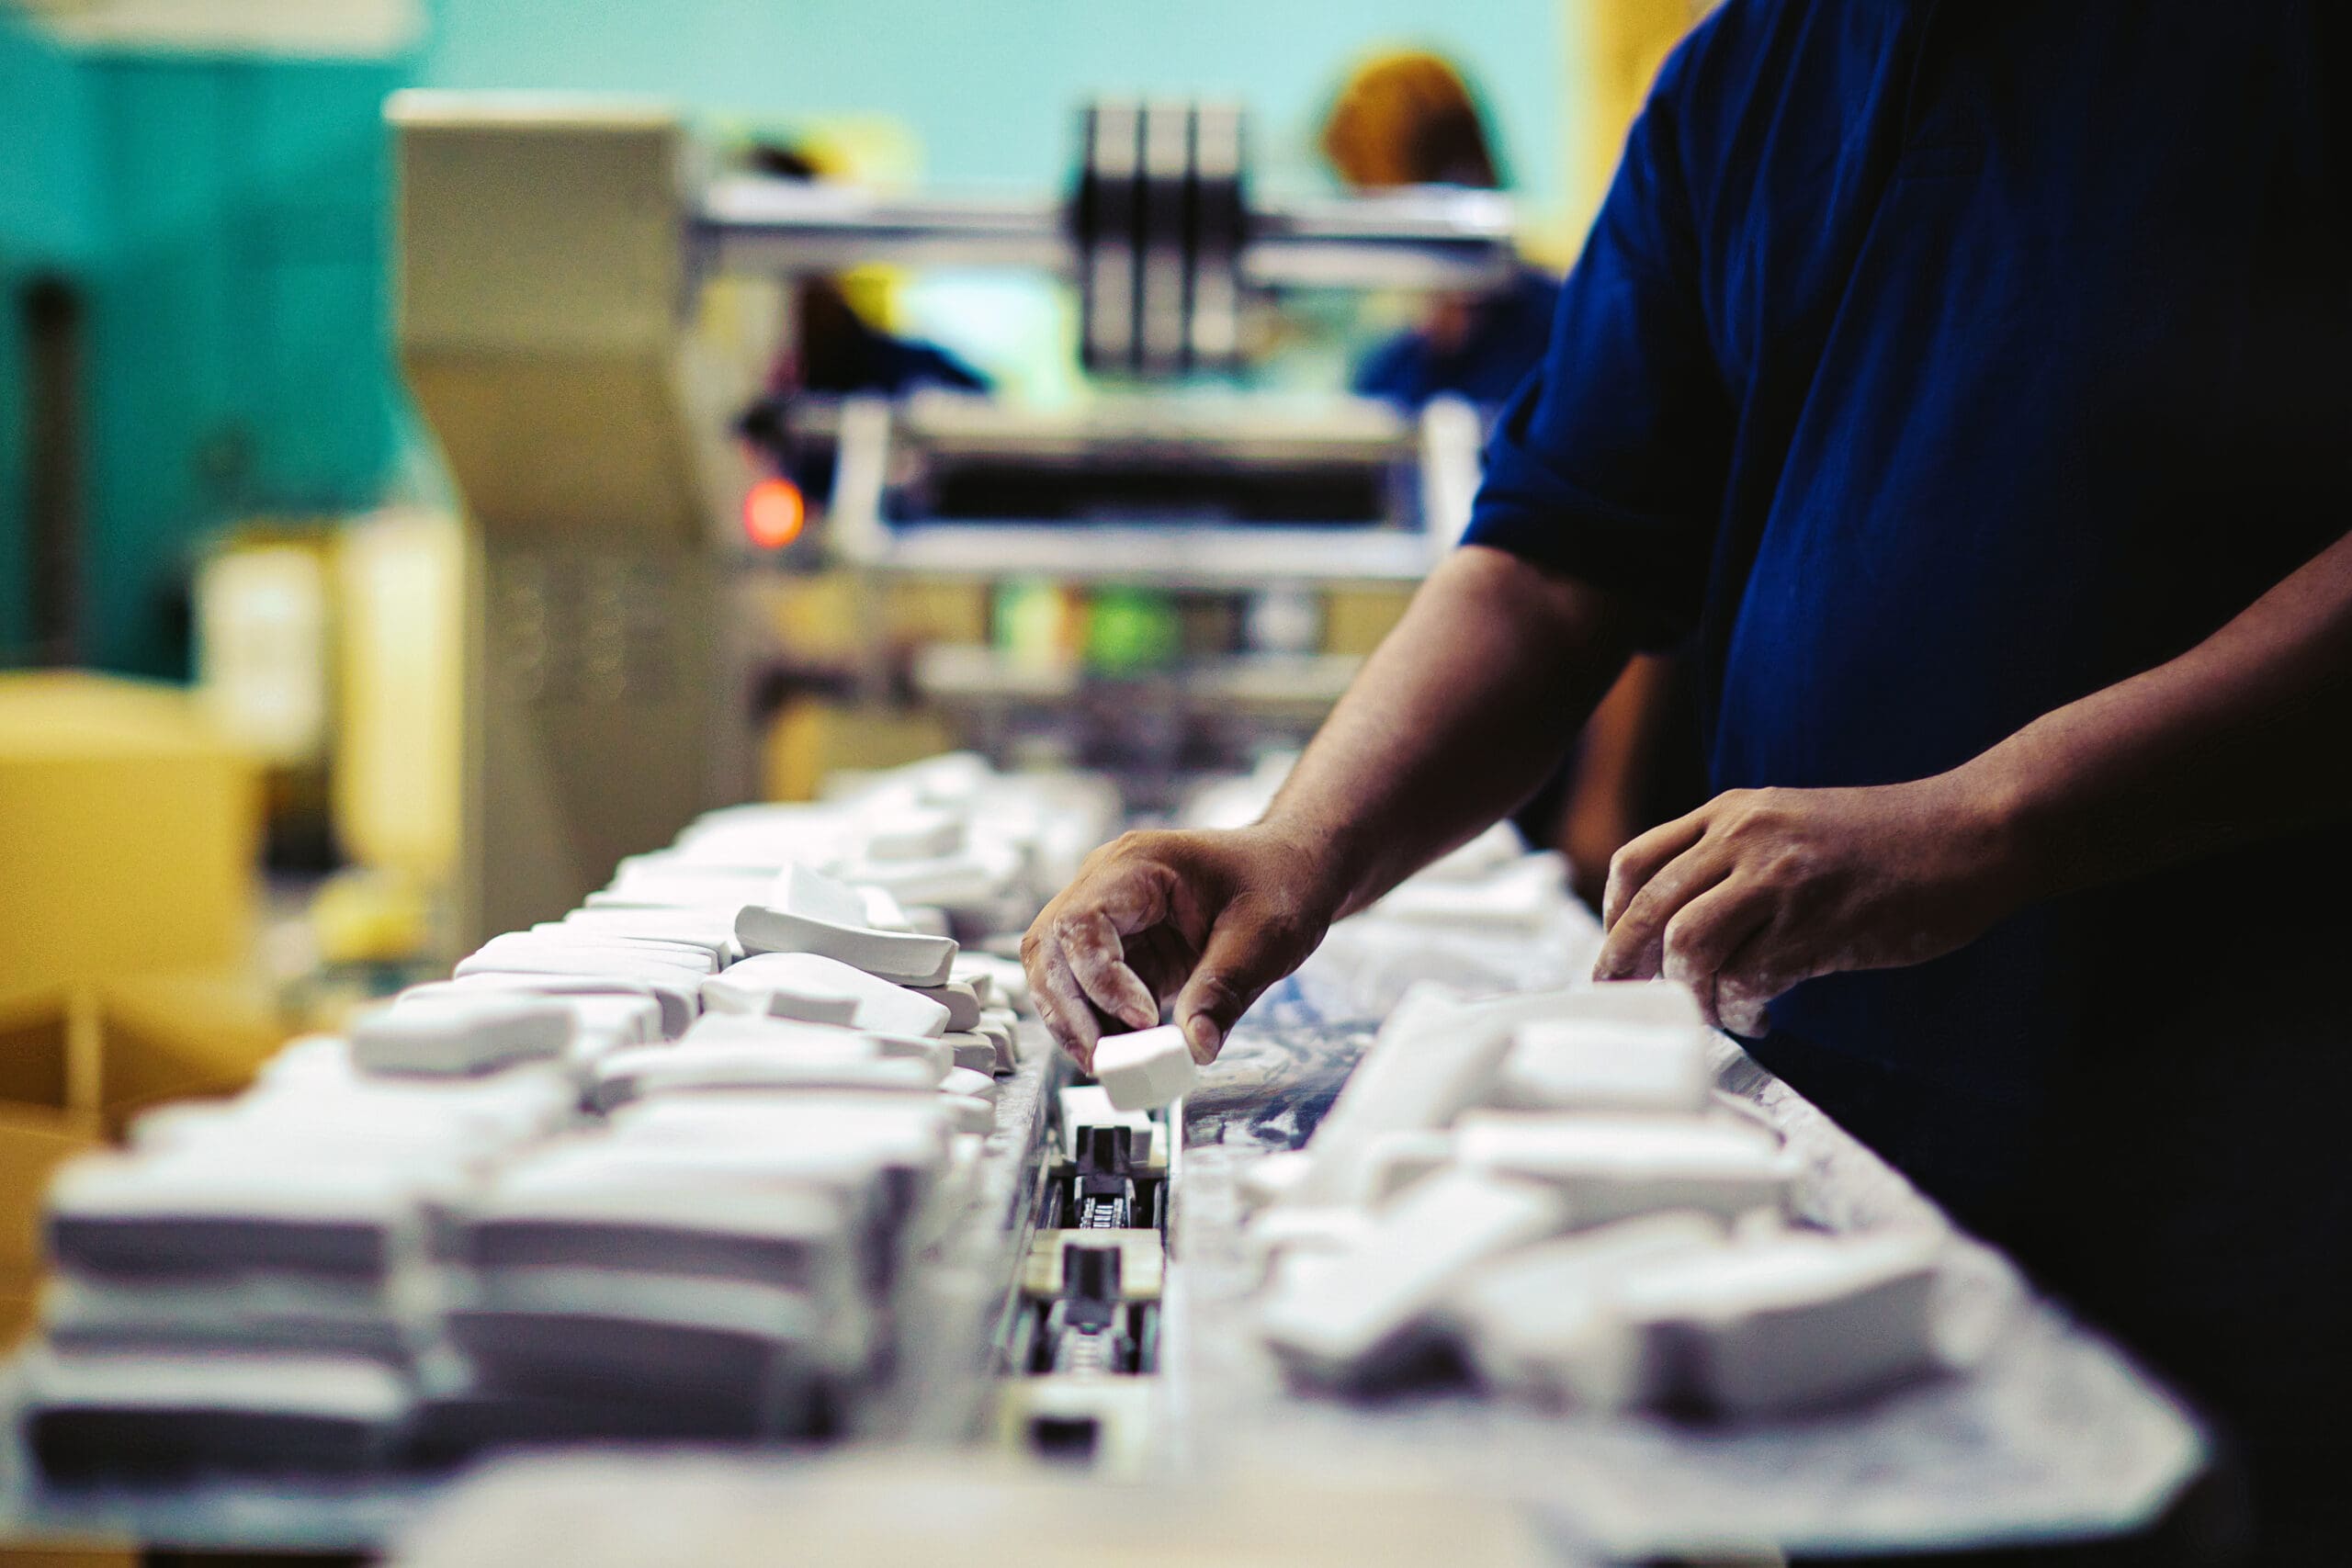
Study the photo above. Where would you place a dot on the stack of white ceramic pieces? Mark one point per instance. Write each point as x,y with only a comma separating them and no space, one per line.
560,957
1547,1187
715,1265
249,1285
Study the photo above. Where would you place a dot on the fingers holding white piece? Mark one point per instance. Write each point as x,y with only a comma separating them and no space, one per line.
1061,1004
1097,963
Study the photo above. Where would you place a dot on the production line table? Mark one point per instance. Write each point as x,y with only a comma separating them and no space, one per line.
2051,1436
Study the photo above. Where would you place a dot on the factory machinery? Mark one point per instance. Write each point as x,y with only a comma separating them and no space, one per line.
559,328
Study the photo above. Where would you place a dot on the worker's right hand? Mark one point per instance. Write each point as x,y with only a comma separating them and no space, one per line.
1209,918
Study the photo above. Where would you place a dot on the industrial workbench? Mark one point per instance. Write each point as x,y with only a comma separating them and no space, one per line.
2051,1434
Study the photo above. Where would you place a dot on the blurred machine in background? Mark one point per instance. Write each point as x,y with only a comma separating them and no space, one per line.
581,318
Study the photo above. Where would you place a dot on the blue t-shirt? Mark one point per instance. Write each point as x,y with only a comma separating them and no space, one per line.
1931,365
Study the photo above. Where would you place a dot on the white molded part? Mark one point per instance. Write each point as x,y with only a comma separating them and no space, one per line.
1279,1234
1348,1321
746,990
961,1002
1615,1167
972,1113
855,1064
1435,1057
786,1035
1271,1179
976,1051
923,833
1544,1323
1145,1070
881,911
675,1003
1397,1158
1008,982
1587,1059
584,955
461,1034
793,985
1793,1323
966,1081
1002,1027
812,913
351,1389
1085,1105
811,895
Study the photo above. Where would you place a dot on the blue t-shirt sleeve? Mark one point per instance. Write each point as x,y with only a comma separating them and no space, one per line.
1609,462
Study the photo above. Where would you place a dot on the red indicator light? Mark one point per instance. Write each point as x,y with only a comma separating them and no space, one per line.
773,513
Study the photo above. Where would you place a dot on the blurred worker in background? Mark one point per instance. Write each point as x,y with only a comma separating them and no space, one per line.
835,352
1970,380
1409,117
1406,119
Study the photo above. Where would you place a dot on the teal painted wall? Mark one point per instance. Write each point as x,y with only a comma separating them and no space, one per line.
989,86
224,221
226,218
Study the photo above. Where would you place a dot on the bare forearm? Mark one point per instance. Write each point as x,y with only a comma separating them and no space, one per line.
1457,718
2245,735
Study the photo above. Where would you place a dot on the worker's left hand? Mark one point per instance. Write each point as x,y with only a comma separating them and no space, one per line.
1760,889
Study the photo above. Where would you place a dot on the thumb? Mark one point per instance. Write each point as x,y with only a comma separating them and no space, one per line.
1242,957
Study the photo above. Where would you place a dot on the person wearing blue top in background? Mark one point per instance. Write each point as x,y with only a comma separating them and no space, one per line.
1971,380
1409,118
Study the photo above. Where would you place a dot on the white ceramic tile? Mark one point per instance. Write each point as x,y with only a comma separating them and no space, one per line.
1615,1167
1765,1328
1350,1321
1145,1070
463,1034
791,984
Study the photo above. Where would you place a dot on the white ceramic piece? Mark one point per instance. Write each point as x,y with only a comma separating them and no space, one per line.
747,990
854,1065
883,912
976,1051
461,1034
1791,1324
675,1003
1270,1179
962,1004
1615,1167
918,834
1001,1026
1394,1161
1638,1046
1145,1070
579,926
1290,1231
972,1115
1351,1321
1435,1057
1086,1105
965,1080
1544,1323
1007,983
793,985
784,1033
531,951
808,912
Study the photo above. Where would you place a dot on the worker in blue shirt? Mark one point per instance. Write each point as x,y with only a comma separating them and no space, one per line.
1406,118
1972,382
